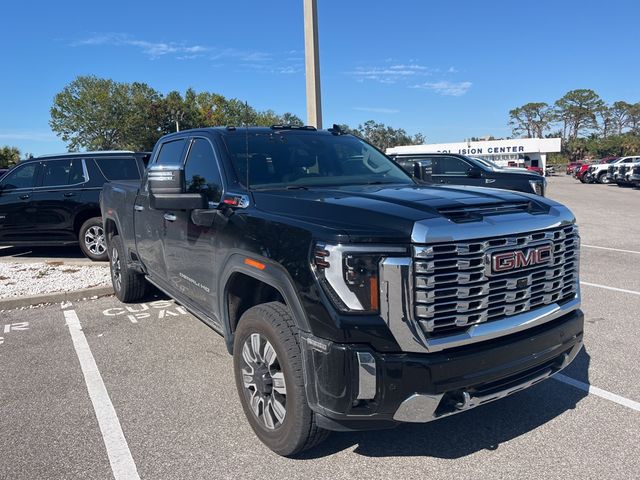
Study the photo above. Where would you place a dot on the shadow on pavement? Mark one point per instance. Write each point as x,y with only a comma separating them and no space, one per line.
42,252
482,428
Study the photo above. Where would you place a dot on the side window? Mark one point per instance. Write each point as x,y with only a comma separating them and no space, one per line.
201,171
21,177
171,152
119,168
451,166
58,173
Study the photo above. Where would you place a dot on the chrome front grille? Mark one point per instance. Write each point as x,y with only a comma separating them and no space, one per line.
454,287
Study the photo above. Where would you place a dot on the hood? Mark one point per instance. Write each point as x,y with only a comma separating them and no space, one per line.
382,213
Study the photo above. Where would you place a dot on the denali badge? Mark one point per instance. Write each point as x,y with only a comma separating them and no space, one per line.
506,261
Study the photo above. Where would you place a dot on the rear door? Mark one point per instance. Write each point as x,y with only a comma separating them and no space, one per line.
151,225
57,198
16,190
189,248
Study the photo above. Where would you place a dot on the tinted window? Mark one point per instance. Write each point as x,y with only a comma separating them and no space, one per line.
279,159
62,172
451,166
201,171
171,152
21,177
119,168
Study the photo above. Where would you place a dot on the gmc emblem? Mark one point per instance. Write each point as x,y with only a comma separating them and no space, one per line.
514,260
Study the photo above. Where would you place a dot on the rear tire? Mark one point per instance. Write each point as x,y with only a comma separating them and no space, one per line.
92,241
128,284
267,363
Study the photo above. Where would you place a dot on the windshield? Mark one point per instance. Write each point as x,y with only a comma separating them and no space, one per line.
288,159
487,163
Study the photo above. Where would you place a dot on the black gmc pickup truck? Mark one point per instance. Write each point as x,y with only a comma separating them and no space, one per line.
349,296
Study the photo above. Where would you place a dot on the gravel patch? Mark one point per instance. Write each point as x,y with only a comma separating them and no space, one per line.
20,279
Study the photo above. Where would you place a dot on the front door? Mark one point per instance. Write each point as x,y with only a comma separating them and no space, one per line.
56,199
16,190
189,248
151,224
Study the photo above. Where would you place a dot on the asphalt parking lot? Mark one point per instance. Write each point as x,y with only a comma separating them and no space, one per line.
169,380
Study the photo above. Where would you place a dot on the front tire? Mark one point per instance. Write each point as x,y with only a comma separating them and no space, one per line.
267,363
128,284
602,178
92,240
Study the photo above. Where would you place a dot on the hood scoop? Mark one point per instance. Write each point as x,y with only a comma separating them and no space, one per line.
475,213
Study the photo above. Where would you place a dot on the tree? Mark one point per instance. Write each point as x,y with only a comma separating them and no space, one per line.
620,113
9,156
531,119
577,111
634,118
100,114
385,137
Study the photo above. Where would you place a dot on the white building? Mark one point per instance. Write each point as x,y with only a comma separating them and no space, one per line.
518,152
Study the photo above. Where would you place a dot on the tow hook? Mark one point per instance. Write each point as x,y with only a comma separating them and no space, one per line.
465,401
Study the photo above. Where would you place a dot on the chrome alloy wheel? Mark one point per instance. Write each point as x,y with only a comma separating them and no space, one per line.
264,381
94,240
116,269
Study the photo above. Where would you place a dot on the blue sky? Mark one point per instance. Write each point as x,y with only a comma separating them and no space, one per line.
450,70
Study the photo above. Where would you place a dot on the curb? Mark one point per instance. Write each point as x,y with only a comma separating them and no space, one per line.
57,297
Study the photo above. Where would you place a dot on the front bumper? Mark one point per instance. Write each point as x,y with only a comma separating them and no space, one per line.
634,178
352,387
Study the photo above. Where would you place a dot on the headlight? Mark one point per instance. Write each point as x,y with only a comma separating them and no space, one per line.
537,186
349,274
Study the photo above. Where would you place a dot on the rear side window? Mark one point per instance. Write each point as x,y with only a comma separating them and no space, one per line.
21,177
201,171
171,152
450,166
58,173
119,168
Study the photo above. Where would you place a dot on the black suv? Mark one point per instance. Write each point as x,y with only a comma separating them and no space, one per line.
54,200
454,169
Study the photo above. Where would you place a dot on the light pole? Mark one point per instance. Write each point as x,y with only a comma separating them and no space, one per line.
177,115
312,64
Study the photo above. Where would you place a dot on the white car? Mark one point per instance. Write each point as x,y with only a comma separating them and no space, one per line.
604,172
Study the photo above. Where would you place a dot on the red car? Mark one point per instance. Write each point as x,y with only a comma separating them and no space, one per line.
571,166
581,171
538,170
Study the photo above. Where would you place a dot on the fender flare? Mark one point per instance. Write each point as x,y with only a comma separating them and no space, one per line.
273,275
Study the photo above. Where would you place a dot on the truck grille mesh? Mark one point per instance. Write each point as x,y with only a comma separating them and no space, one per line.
454,288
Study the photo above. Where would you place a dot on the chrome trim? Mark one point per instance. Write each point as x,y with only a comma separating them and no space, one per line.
443,230
418,408
138,208
366,376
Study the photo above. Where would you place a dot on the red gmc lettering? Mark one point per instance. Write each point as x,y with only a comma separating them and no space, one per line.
503,262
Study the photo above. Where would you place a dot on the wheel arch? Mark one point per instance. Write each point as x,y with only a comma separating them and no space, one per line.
82,217
272,278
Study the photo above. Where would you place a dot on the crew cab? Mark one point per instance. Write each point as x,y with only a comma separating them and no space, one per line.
634,175
53,200
350,295
454,169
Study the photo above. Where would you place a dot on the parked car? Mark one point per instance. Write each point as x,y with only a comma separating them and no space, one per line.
612,168
635,174
581,172
571,167
350,296
454,169
54,200
550,170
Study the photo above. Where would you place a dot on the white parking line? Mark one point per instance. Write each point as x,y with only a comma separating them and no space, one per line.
122,464
597,391
632,292
609,248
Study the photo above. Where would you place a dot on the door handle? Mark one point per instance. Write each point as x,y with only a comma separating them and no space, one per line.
138,208
69,194
170,217
26,196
